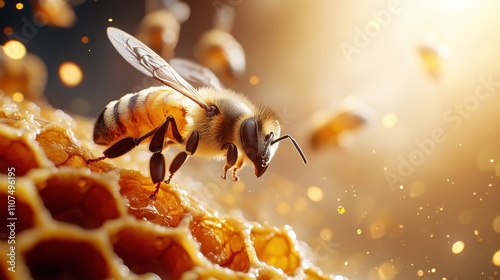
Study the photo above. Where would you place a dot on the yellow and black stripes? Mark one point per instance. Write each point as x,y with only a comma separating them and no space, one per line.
108,126
135,114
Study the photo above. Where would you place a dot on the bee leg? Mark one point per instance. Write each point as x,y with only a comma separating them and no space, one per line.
157,169
180,158
235,176
122,147
157,161
231,157
236,168
158,141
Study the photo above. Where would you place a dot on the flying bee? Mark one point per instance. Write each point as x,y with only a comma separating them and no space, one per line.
212,121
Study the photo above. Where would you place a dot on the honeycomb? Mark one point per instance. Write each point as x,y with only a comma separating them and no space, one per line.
78,221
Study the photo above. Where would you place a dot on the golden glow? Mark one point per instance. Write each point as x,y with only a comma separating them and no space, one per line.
110,20
18,96
283,208
253,80
389,120
458,247
229,200
70,74
386,271
315,193
359,231
300,204
432,57
496,224
84,39
238,187
420,273
417,189
377,229
326,234
341,210
496,258
14,49
2,3
19,6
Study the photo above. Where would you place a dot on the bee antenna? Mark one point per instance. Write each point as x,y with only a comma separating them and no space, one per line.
299,150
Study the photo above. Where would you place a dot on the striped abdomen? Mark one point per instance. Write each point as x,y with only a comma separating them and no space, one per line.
136,114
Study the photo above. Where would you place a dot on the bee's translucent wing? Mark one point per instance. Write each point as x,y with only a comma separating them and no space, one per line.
195,74
151,64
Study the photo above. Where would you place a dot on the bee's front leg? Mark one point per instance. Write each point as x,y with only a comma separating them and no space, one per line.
237,166
231,157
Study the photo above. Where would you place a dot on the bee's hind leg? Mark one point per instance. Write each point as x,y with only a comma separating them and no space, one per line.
122,147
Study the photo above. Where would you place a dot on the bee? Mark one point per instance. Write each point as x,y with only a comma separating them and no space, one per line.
211,121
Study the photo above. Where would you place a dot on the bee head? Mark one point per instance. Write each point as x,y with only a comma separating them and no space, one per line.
258,143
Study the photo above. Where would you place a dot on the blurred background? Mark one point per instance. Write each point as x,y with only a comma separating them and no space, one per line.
395,103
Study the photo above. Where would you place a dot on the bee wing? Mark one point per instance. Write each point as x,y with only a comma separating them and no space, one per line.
151,64
195,74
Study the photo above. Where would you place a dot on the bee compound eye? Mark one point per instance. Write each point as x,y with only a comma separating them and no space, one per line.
249,138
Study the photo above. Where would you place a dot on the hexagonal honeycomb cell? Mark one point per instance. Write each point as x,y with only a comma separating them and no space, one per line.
77,221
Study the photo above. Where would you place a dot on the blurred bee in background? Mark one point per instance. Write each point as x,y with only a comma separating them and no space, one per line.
212,121
330,129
